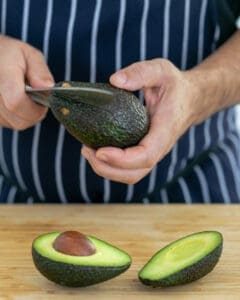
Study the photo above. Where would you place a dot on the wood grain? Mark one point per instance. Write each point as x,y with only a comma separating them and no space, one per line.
140,230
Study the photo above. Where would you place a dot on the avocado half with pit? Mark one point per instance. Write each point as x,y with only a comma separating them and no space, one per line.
184,260
75,260
121,122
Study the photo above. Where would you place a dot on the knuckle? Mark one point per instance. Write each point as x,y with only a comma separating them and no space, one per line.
149,161
14,104
19,125
131,179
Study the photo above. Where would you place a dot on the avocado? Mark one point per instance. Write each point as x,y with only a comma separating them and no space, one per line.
98,262
184,260
122,122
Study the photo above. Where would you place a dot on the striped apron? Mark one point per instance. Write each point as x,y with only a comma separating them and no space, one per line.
88,41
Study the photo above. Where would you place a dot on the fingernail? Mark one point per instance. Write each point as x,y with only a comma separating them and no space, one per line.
120,78
49,83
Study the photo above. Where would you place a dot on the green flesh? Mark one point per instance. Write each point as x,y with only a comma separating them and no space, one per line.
106,263
184,260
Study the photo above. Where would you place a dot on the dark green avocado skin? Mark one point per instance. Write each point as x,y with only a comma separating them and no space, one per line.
73,275
192,273
122,123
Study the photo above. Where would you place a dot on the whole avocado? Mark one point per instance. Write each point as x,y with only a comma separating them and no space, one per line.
121,123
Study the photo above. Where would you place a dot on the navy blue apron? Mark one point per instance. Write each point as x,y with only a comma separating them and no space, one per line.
88,41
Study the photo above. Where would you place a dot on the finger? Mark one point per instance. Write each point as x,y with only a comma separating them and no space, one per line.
139,75
114,174
13,121
4,122
38,73
12,89
153,147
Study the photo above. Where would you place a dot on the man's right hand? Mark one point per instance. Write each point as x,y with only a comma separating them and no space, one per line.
20,63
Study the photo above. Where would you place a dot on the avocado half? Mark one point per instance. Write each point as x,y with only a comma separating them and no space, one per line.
122,122
78,271
184,260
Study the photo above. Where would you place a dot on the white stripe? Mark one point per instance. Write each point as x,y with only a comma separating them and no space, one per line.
164,196
25,20
2,156
35,170
58,165
235,141
141,96
61,134
191,149
118,46
47,28
143,35
37,129
185,35
201,30
145,200
173,162
16,167
185,190
1,184
206,130
221,179
216,37
152,179
203,184
11,195
3,16
68,59
82,175
220,126
30,200
166,20
93,53
129,194
107,191
234,165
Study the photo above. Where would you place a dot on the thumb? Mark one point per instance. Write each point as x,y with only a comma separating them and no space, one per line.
144,74
37,74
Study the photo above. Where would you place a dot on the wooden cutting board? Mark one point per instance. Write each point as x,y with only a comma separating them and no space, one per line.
140,230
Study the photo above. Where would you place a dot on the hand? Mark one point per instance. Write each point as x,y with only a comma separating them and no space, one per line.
21,63
169,96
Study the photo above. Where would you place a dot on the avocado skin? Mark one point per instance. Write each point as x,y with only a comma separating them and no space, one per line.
189,274
73,275
122,123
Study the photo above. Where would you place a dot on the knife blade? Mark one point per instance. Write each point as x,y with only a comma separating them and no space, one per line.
88,95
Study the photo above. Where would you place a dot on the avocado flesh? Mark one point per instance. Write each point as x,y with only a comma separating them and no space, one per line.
76,271
184,260
121,123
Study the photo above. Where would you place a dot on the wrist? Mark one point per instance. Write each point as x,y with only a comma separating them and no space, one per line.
208,94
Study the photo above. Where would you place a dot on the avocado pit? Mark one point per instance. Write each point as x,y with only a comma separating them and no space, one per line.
74,243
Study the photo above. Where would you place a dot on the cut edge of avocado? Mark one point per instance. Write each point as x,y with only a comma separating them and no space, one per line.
184,260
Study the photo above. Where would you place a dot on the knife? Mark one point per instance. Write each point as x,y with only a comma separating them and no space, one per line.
89,95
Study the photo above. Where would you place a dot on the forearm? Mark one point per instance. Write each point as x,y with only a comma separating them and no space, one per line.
217,80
